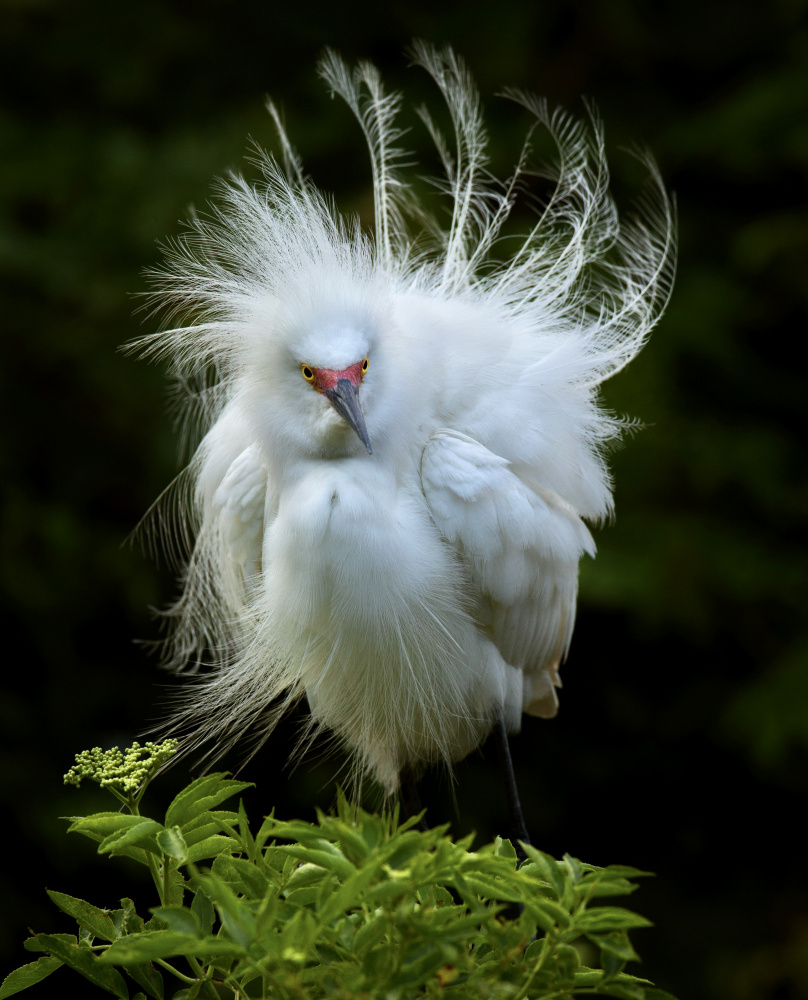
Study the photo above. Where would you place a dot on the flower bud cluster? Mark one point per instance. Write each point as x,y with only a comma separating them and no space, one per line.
121,770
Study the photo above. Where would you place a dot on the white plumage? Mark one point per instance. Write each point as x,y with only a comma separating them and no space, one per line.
412,593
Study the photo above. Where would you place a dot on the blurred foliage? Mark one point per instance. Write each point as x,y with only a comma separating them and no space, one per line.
356,905
688,671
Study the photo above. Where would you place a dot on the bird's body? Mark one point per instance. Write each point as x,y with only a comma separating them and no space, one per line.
389,500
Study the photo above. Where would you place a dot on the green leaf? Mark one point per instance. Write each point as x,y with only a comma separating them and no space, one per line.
85,962
536,949
247,838
350,891
609,918
376,966
586,978
34,944
594,885
382,894
178,918
325,854
207,824
141,833
623,991
101,825
145,975
371,933
573,866
95,920
612,966
171,842
625,871
548,869
402,849
149,945
210,847
567,962
201,796
352,843
132,923
543,920
490,888
505,849
615,943
326,890
28,975
303,897
203,909
306,875
176,887
191,993
266,917
294,830
434,895
297,937
545,909
237,919
241,875
265,831
422,963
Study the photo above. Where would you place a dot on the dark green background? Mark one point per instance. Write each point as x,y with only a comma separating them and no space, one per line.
681,745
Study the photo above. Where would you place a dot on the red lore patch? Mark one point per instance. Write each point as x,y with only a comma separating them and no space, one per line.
327,378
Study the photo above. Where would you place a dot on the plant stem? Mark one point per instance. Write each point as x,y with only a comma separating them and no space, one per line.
536,969
174,972
207,986
127,800
156,877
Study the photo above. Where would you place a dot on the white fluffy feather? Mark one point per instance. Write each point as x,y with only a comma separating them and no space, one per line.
414,593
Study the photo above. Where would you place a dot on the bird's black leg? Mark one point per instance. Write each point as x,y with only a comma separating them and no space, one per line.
518,828
410,799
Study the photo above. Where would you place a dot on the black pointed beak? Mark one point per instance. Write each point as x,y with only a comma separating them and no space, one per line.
344,397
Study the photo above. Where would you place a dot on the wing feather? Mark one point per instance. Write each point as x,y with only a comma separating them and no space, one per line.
229,507
521,544
239,503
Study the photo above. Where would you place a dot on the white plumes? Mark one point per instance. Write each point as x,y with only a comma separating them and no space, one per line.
413,594
376,112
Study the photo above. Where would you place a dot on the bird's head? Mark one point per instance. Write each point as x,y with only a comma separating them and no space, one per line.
331,353
341,388
313,385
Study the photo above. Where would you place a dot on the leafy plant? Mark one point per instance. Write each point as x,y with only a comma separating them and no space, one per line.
353,906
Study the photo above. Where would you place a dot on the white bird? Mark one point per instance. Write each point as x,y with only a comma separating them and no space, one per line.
402,437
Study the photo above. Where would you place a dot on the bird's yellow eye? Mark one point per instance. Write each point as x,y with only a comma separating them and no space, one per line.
308,374
364,366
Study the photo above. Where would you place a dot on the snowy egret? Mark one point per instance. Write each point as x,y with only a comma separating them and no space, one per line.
401,437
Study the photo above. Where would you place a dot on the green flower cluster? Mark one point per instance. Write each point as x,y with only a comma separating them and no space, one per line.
122,771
